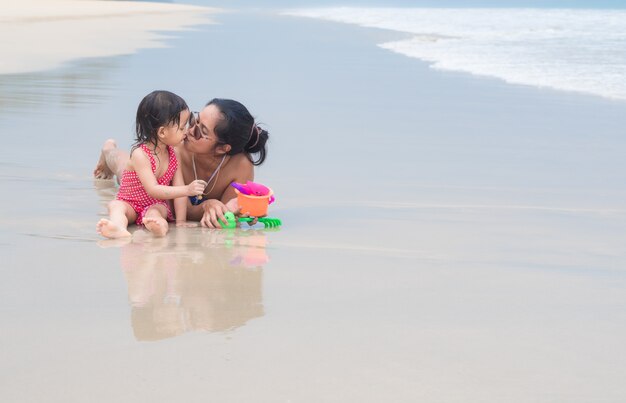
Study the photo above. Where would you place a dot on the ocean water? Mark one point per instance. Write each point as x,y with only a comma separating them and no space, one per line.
580,50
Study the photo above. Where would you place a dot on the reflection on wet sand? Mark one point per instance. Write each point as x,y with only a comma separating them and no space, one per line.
43,36
193,279
84,83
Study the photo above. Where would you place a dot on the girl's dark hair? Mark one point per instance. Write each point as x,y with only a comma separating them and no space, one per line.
237,128
158,108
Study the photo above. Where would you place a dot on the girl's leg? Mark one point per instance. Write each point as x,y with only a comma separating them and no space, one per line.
155,220
112,161
120,213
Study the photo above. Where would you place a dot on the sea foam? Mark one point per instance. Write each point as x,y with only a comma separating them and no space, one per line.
565,49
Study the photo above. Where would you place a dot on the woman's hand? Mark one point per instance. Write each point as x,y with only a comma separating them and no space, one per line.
213,211
196,187
233,205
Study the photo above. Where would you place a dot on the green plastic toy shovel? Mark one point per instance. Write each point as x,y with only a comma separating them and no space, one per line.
231,221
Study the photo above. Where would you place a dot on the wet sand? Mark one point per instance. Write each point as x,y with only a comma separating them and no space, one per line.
446,238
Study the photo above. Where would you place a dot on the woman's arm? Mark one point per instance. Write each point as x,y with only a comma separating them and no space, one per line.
244,172
141,164
214,209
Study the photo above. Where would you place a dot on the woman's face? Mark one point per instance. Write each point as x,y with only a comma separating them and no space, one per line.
201,137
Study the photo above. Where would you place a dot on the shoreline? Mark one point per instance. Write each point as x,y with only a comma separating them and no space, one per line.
543,55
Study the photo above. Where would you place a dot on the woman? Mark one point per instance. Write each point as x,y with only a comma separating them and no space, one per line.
222,146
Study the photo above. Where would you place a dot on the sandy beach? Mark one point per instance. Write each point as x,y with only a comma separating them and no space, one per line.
446,237
52,32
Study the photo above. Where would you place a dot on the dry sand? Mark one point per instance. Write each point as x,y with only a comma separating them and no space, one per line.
38,35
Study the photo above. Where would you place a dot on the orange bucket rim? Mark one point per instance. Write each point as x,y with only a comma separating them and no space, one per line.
267,196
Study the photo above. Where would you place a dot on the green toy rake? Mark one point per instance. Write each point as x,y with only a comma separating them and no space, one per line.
231,221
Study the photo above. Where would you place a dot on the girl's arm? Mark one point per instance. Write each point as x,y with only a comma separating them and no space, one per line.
141,164
180,203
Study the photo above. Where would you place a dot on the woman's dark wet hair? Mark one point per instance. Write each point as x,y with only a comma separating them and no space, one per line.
158,108
238,129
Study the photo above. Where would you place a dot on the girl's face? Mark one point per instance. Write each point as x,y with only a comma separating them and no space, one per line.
174,134
201,138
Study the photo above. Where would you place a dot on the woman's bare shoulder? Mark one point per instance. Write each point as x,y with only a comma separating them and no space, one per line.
240,168
240,162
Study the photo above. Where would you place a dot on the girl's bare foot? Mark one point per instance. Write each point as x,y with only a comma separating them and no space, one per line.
156,225
109,229
102,170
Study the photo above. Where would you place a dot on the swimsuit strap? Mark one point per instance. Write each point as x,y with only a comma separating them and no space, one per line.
150,156
194,199
217,170
173,163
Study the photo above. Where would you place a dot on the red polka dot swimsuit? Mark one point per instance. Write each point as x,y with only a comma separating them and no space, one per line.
132,191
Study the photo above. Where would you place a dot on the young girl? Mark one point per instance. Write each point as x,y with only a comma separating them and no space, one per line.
162,122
